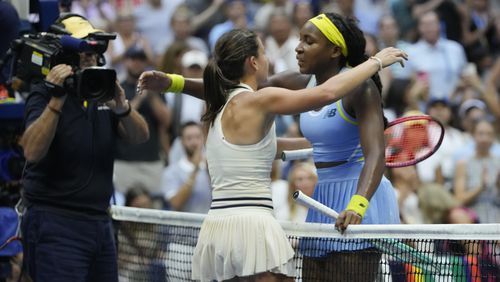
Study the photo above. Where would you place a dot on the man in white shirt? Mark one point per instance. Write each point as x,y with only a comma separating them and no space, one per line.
281,43
185,183
153,22
440,59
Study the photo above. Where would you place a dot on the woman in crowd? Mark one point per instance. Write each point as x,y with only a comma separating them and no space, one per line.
476,178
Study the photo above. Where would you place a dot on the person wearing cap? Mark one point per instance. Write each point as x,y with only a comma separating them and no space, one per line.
141,164
67,144
469,112
185,108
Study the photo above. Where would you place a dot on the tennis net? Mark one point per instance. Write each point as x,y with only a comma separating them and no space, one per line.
158,246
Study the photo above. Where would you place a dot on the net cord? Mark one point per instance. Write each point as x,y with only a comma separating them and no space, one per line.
317,230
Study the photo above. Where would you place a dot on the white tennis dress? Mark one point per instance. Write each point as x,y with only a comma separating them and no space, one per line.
240,236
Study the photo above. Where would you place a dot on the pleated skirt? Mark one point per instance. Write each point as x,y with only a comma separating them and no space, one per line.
241,242
334,189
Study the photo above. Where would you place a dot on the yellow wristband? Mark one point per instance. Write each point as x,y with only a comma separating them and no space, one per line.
177,84
358,204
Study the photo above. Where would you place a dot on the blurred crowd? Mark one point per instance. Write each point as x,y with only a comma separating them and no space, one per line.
453,74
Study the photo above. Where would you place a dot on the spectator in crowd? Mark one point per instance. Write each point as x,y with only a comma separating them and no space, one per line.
491,93
402,12
436,203
470,86
126,38
371,47
396,99
153,18
342,7
124,6
171,59
279,189
235,11
263,14
406,183
469,112
302,12
440,207
185,183
481,36
389,35
440,167
302,177
141,164
142,251
476,177
369,14
207,14
138,197
448,13
416,94
100,13
281,42
280,48
68,145
437,58
185,108
182,26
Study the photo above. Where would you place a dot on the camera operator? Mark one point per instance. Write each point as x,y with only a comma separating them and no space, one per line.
68,145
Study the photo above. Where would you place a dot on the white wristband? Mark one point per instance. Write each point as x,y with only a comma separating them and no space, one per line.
380,65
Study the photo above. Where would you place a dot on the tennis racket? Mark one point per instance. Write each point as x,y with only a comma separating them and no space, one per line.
408,141
392,247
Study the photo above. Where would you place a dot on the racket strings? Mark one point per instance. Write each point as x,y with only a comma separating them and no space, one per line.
412,141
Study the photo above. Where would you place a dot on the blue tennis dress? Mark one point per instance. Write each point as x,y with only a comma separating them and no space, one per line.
334,136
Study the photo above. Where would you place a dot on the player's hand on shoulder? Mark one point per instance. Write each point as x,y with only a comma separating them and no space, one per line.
391,55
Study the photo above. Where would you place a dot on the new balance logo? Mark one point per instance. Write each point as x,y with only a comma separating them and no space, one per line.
330,113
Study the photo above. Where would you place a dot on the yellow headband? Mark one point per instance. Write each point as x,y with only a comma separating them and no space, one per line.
325,25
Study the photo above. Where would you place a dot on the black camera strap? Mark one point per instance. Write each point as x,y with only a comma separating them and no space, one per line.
54,89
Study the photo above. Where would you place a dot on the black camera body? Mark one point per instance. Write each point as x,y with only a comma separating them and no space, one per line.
35,54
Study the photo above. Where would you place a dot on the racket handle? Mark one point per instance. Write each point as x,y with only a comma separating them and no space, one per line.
309,202
296,154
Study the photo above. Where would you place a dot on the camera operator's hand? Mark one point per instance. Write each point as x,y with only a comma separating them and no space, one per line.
119,103
58,74
153,80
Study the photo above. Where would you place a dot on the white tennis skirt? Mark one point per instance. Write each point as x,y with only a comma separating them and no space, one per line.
241,242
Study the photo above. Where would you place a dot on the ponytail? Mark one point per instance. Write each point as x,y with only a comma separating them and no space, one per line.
225,70
216,86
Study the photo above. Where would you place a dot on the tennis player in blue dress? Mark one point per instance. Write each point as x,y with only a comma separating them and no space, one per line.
348,150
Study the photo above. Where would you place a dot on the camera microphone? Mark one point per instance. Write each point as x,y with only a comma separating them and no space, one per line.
74,44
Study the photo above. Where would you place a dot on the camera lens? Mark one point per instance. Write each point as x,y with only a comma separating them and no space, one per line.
97,84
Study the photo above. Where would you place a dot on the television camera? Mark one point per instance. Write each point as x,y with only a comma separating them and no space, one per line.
33,55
